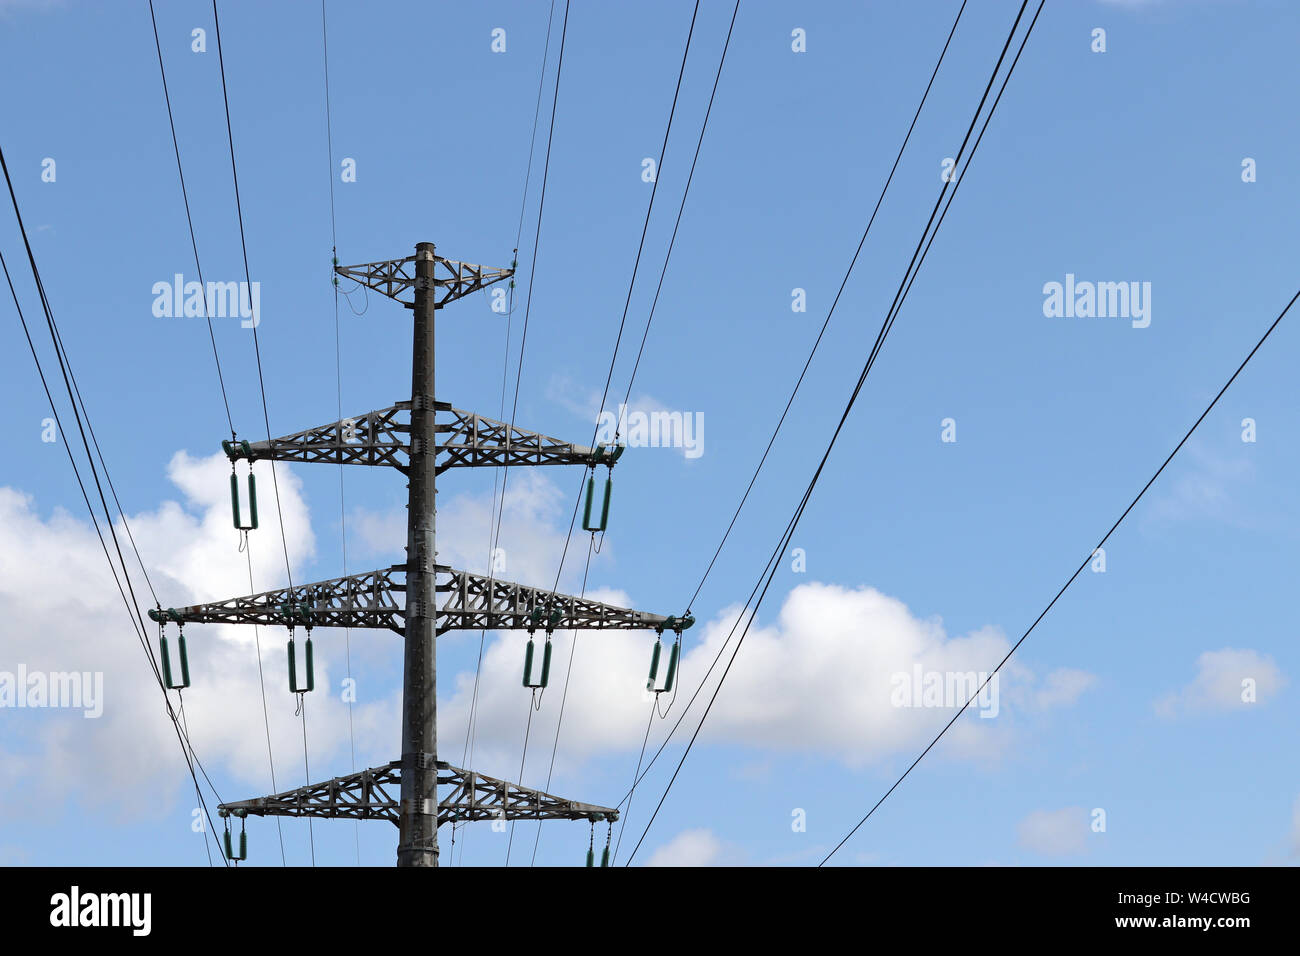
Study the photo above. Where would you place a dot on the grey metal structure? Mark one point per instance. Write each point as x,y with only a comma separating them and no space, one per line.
420,599
373,795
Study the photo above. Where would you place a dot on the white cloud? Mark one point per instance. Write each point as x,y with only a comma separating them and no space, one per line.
63,613
698,847
1055,832
533,529
1225,680
816,680
1209,486
1063,687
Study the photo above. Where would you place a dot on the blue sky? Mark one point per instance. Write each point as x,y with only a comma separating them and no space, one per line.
1117,166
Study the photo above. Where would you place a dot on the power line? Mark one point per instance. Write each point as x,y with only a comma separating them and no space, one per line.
613,359
257,352
194,245
131,603
681,208
632,378
639,775
494,517
918,257
636,265
338,380
1050,604
180,170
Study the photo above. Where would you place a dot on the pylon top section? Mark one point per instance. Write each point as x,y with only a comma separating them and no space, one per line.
451,280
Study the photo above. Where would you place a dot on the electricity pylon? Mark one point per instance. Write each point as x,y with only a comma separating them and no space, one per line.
409,437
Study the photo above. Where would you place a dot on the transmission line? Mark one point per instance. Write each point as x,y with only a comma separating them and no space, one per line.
338,380
180,170
131,603
609,377
257,352
497,511
639,775
918,257
1050,604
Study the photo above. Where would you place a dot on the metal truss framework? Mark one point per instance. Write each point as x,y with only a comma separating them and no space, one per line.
451,279
467,601
382,437
373,795
420,599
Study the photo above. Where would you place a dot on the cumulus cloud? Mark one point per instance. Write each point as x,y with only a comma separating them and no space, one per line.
821,678
1055,832
63,613
1210,486
1229,679
698,847
533,526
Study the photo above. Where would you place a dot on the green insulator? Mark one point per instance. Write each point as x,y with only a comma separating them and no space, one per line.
654,665
586,508
672,666
591,856
252,500
546,663
528,664
185,661
168,682
243,844
234,499
166,660
604,508
230,855
310,684
604,857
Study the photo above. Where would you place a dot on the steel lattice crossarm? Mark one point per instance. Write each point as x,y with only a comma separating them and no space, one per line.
451,280
382,437
373,795
472,440
475,601
369,599
377,599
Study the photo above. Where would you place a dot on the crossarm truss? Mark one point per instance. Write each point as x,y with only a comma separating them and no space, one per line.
378,599
451,280
373,795
471,440
369,599
382,437
474,601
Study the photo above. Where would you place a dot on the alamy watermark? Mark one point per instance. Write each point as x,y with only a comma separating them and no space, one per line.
1101,300
655,429
219,300
65,689
946,689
